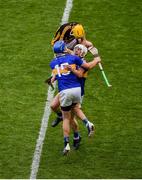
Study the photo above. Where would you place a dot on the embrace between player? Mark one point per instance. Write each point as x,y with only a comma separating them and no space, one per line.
66,69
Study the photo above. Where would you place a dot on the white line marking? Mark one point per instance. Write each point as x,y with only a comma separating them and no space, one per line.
47,110
67,10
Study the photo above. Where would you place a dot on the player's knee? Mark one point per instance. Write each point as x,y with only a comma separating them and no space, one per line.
53,106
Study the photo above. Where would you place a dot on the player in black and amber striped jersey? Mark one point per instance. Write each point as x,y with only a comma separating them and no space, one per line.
73,33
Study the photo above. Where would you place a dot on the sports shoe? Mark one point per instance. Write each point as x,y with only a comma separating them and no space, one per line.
56,121
76,143
66,149
91,129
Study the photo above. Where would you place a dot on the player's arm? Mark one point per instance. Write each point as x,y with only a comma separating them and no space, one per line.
85,42
69,51
91,64
78,72
78,61
93,50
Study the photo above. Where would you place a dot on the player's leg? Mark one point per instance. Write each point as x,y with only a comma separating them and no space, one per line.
55,106
66,105
66,130
75,128
79,113
67,98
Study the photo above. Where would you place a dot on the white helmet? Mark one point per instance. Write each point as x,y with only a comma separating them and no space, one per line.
82,48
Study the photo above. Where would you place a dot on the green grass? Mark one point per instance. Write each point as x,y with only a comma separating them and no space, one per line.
26,30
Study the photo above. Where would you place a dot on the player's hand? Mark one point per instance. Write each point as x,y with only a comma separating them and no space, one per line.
68,67
97,59
48,81
68,51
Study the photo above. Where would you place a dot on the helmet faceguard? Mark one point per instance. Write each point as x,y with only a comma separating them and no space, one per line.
82,48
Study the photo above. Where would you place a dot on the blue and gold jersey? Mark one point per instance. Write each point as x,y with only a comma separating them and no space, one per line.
83,79
82,83
66,79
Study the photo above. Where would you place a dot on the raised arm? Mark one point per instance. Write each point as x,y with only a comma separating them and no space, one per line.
91,64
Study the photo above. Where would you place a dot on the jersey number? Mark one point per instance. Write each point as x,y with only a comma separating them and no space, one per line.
63,70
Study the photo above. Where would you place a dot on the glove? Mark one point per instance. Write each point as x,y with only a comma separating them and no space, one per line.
48,81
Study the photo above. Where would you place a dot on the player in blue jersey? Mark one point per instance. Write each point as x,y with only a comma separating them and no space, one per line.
81,51
68,85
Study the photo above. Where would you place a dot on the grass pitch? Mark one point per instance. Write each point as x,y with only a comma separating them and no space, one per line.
26,30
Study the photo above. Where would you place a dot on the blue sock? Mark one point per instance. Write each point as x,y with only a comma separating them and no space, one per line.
76,135
59,114
66,140
85,121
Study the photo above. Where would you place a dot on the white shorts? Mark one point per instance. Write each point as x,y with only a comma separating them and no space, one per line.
70,96
81,99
